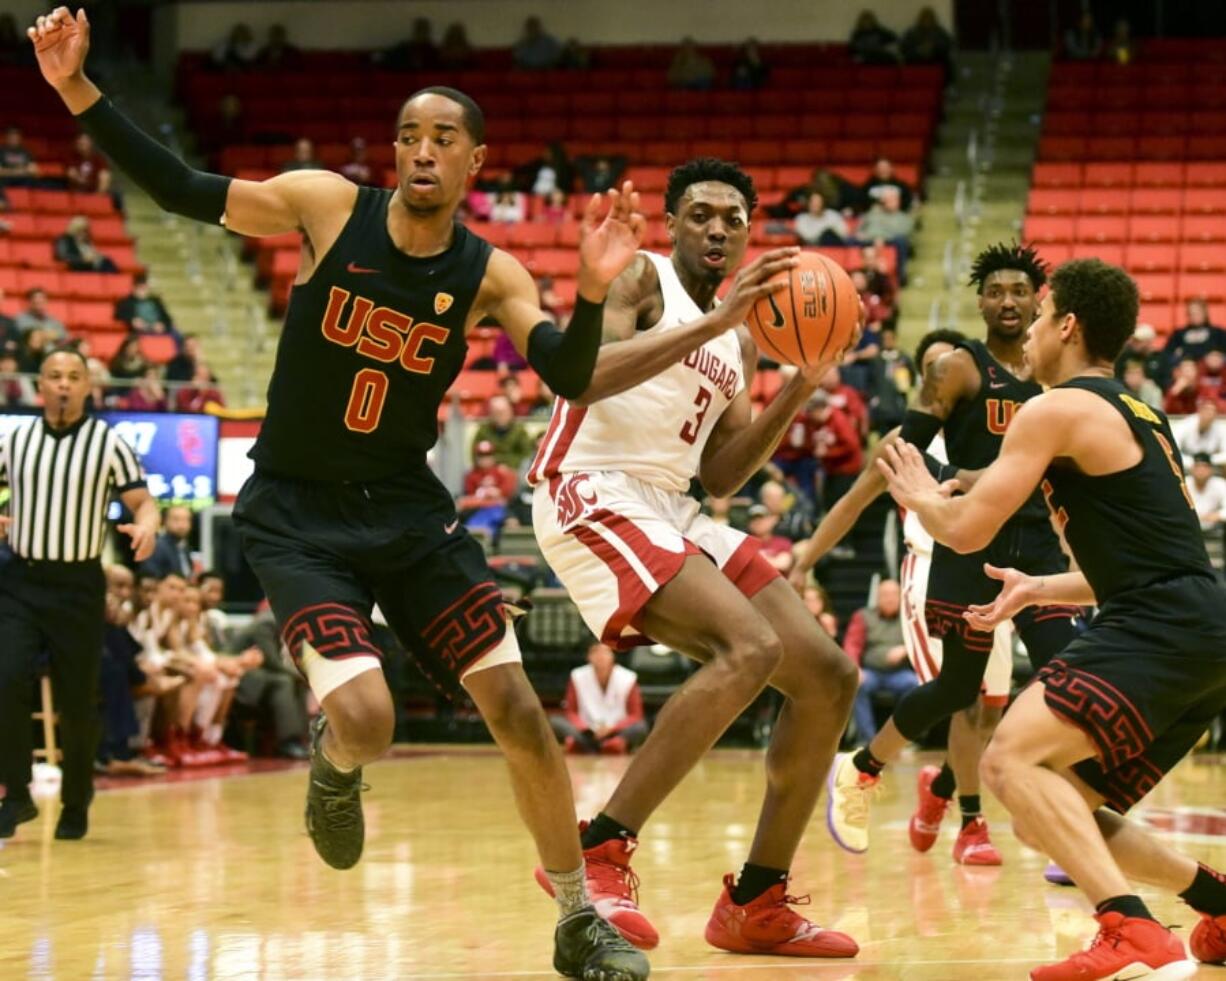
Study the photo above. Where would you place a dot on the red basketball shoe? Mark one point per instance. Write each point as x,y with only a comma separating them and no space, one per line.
930,809
767,925
974,847
1126,947
614,889
1208,940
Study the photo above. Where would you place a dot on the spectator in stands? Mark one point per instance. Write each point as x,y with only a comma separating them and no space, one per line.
749,71
555,209
1208,493
269,691
75,248
508,206
15,390
1140,347
1121,49
35,345
202,392
575,57
837,193
552,170
148,394
277,51
506,358
37,315
304,157
10,335
887,222
836,444
881,280
514,393
129,362
795,459
817,602
775,548
871,43
845,398
536,49
874,641
488,487
1181,397
690,68
455,52
172,554
820,225
860,362
87,171
791,516
719,509
1213,376
1203,432
602,711
551,300
356,167
926,42
143,310
883,177
1141,387
414,54
1083,42
231,124
17,165
182,367
99,377
512,444
542,405
1196,338
598,174
238,51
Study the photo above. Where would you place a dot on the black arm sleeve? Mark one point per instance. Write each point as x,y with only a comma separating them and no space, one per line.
940,471
174,185
566,359
920,428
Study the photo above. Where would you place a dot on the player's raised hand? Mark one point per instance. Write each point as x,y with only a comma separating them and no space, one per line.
607,246
753,282
1017,593
61,42
907,475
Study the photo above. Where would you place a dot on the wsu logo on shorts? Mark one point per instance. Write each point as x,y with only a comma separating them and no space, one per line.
574,499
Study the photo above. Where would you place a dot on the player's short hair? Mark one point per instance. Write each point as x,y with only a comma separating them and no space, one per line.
1022,258
944,335
210,574
1104,300
708,169
68,349
472,116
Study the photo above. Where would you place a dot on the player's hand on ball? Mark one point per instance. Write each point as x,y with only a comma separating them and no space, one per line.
752,283
1017,593
607,246
61,42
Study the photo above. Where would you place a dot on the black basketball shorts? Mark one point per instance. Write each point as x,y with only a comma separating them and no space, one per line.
325,552
1143,682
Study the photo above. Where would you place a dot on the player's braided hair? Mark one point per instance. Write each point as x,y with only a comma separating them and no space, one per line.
994,258
943,335
1104,300
708,169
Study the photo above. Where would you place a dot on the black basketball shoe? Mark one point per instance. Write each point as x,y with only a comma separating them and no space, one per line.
15,811
334,807
586,947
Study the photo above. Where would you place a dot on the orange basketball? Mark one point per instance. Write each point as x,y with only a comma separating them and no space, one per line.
812,319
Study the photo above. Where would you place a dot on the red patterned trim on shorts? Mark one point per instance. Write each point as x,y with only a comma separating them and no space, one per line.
748,569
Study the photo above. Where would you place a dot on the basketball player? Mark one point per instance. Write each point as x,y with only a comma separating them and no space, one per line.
970,728
1129,698
342,509
971,393
614,521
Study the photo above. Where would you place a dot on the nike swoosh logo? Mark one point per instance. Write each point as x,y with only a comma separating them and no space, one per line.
449,528
776,313
996,385
353,267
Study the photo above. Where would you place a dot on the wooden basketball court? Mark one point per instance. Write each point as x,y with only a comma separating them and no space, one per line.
215,878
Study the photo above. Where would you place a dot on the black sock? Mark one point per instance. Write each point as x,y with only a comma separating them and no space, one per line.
1207,894
944,785
603,828
755,880
969,805
866,762
1128,905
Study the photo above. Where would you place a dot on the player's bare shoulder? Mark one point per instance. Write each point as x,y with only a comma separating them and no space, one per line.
635,300
954,376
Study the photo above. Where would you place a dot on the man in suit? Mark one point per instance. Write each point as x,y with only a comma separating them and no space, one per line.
171,554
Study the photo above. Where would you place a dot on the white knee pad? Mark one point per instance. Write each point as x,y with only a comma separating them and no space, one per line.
506,652
325,675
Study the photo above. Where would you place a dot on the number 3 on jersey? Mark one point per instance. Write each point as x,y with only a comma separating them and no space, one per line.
689,432
366,400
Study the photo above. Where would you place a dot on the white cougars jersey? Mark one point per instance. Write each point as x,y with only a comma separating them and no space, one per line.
913,533
656,430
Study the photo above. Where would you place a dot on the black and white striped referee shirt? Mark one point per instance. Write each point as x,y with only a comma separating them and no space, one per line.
61,485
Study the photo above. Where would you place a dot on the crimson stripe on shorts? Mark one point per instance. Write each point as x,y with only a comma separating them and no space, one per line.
538,459
566,436
632,592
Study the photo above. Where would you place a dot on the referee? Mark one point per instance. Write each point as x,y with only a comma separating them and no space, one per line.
61,469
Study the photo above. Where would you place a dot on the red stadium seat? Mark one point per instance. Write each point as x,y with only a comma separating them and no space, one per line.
1103,201
157,348
44,279
1161,147
59,202
1205,200
532,235
91,314
1044,201
1155,287
1211,286
1158,174
1160,316
1149,258
1108,174
1112,124
92,204
1056,175
1203,228
648,178
1204,173
554,262
1155,228
1206,147
35,254
476,385
1041,229
1111,148
1094,228
1112,252
1202,258
1066,123
1056,253
1155,200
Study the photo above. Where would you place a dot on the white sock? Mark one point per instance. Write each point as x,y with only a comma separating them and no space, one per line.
570,891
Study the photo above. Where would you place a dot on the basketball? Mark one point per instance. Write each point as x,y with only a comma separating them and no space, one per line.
813,318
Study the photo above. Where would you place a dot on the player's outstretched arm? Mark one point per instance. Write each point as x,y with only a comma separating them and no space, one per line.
1036,436
1020,590
61,42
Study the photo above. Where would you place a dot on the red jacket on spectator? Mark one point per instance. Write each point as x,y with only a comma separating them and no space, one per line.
837,444
194,399
496,482
797,442
851,402
1181,403
856,636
